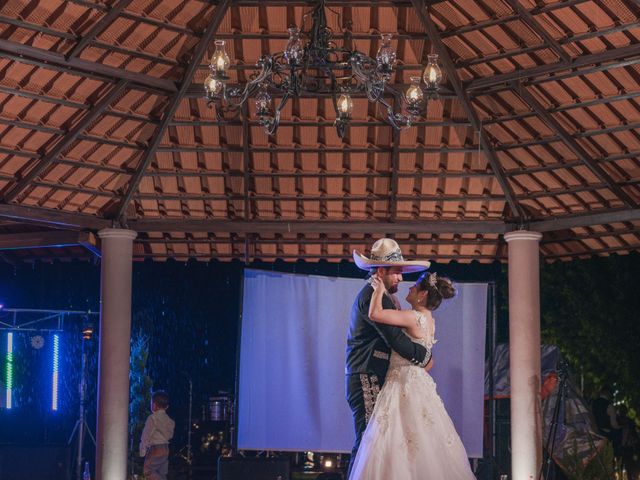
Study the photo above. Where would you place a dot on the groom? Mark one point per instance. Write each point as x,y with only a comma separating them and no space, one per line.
369,344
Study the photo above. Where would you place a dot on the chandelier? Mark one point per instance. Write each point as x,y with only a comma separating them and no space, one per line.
319,67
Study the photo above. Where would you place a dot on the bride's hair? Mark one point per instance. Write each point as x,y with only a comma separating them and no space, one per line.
437,289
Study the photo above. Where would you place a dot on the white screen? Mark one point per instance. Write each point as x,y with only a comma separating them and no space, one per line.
292,386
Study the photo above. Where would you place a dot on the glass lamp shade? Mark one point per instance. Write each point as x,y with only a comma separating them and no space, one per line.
432,73
344,105
212,86
386,56
414,95
219,60
263,102
295,48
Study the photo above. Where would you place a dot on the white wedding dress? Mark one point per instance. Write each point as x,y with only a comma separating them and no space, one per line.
410,436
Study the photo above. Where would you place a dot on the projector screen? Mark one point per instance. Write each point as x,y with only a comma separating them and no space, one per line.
291,392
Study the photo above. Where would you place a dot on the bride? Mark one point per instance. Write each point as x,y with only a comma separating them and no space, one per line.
410,436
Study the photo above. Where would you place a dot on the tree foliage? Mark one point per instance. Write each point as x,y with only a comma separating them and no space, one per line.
590,309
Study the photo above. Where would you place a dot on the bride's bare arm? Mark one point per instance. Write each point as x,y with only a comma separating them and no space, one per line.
398,318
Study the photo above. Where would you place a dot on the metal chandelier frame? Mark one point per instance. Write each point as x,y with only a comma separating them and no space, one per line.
320,67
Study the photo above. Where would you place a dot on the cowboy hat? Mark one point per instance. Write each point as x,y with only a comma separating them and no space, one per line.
386,253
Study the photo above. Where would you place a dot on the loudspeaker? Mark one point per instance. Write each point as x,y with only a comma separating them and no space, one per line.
28,462
239,468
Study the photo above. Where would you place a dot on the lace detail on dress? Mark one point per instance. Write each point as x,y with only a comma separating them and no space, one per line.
427,341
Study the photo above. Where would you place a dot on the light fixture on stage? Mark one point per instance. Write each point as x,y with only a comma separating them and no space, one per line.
37,342
87,331
87,328
54,372
9,372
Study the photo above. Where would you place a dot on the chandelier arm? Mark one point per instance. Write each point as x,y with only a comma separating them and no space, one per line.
399,121
225,113
235,98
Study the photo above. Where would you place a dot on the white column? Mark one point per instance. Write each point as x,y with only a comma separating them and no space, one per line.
524,353
113,367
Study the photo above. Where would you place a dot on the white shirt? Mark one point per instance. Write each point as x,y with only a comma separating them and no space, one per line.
158,430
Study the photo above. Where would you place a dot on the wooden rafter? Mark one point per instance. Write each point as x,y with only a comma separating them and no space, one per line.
66,141
585,220
80,66
52,218
452,74
46,239
538,29
246,163
318,226
551,68
574,146
171,108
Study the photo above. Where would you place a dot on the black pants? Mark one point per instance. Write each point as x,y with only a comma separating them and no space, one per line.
362,392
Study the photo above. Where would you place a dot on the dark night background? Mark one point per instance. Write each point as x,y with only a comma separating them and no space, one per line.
190,311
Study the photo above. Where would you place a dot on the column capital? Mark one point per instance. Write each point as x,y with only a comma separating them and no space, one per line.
117,233
522,235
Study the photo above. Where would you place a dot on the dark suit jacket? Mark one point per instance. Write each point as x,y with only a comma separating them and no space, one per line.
369,344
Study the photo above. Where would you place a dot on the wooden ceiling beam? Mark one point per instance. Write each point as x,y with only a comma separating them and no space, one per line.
256,238
564,108
461,197
138,18
586,219
317,123
563,41
296,256
473,27
452,74
548,69
590,235
559,138
45,98
98,27
573,145
246,161
529,169
66,141
238,148
197,91
290,149
526,16
394,181
51,217
45,239
36,28
171,108
317,226
300,198
80,67
68,36
593,252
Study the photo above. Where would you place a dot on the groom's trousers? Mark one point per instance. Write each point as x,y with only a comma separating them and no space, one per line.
362,392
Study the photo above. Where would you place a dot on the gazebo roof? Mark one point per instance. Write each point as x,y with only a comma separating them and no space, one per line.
103,123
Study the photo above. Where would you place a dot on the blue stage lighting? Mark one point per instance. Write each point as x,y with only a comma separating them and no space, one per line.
9,370
54,379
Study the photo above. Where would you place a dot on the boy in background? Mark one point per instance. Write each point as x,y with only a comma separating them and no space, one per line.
154,443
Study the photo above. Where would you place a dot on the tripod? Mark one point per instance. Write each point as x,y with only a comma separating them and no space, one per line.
563,387
81,423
